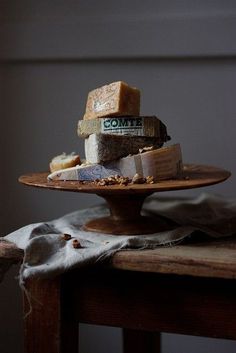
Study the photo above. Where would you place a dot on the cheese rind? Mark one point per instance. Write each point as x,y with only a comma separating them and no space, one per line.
148,126
116,98
163,163
101,148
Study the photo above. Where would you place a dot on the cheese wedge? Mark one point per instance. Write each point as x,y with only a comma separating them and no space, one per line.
83,173
101,148
163,163
117,98
148,126
64,161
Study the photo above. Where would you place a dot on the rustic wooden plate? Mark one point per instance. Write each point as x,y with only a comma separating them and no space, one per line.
125,202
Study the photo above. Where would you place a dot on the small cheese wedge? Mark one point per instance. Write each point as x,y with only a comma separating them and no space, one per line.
116,98
101,148
148,126
64,161
163,163
87,172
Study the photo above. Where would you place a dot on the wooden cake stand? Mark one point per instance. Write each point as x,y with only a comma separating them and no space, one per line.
125,202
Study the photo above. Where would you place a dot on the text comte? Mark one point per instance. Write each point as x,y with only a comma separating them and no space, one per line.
121,123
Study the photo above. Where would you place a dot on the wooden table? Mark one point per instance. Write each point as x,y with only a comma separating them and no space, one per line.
188,289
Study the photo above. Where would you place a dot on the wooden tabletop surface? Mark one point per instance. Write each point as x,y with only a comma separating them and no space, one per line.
212,258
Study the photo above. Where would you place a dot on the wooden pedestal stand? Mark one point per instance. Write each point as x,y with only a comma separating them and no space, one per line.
125,202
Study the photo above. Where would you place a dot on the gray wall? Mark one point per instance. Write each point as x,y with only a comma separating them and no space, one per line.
180,54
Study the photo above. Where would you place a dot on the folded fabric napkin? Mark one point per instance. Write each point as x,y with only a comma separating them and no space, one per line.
47,253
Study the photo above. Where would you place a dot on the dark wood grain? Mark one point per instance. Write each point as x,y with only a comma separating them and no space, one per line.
214,258
155,303
46,326
141,303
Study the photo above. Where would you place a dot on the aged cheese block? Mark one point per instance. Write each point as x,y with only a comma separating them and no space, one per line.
149,126
101,148
117,98
163,163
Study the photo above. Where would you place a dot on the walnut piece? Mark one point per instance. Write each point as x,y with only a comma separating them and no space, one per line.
76,244
66,236
121,180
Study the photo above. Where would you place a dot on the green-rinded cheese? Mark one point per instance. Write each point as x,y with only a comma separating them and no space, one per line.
149,126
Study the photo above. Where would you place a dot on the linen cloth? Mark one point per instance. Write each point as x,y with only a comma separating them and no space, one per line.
46,253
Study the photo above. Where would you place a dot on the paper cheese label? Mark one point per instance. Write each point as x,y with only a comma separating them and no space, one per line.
131,126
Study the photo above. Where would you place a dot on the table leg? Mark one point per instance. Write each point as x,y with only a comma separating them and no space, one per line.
46,328
141,341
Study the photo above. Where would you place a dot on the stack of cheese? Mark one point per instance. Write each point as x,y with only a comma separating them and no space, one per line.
118,141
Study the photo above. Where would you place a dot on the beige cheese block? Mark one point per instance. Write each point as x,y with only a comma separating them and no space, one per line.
149,126
63,161
163,164
117,98
101,148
